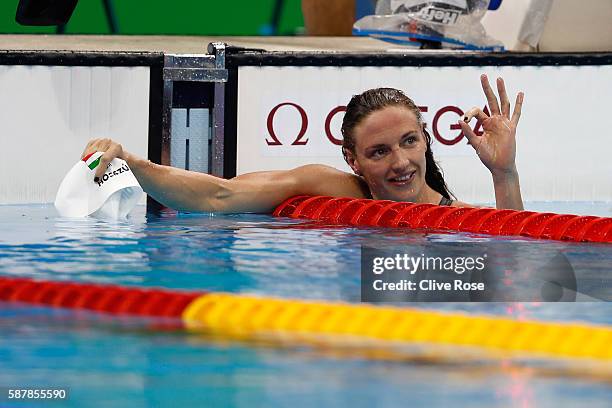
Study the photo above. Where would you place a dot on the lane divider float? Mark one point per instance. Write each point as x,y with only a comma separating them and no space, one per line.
261,317
384,213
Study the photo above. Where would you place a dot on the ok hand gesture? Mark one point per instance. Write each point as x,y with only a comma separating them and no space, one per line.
496,147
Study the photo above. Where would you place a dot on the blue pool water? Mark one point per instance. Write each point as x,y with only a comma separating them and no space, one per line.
124,362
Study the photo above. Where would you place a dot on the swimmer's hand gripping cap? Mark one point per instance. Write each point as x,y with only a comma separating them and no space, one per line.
113,196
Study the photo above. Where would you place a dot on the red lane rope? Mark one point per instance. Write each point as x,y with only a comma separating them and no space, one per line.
102,298
378,213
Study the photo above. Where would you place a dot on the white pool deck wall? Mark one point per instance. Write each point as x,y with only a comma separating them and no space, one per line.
563,138
48,114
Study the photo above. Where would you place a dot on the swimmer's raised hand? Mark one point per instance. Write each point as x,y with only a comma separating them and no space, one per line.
110,149
496,147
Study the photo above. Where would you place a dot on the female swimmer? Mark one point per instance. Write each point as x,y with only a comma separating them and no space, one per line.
385,144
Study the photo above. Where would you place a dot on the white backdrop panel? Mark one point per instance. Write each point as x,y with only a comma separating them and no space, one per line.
48,113
563,139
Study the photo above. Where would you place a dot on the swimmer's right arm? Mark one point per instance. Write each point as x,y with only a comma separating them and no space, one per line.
258,192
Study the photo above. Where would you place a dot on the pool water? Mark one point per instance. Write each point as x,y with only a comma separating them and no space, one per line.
125,362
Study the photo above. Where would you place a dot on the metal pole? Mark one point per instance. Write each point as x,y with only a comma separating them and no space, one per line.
218,114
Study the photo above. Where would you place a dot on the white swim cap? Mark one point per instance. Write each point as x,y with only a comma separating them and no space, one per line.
113,196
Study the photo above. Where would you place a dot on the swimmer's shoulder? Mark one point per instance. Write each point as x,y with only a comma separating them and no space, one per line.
457,203
320,179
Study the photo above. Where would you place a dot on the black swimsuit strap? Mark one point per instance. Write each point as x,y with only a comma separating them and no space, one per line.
445,201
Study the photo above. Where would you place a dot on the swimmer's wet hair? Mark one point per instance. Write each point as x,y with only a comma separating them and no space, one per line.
370,101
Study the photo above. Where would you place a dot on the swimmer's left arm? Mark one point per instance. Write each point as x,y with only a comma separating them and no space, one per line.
496,147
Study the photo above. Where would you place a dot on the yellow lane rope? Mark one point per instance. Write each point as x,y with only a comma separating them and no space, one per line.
251,316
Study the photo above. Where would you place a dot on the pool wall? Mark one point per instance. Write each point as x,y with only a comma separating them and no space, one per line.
277,103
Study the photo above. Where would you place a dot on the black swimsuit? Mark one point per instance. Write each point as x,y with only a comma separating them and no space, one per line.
445,201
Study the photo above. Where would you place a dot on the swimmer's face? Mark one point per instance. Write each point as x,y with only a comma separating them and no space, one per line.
390,154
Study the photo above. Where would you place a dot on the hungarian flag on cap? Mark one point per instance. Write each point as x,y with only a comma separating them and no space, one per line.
91,162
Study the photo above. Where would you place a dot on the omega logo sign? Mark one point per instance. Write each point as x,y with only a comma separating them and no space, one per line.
447,136
299,139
